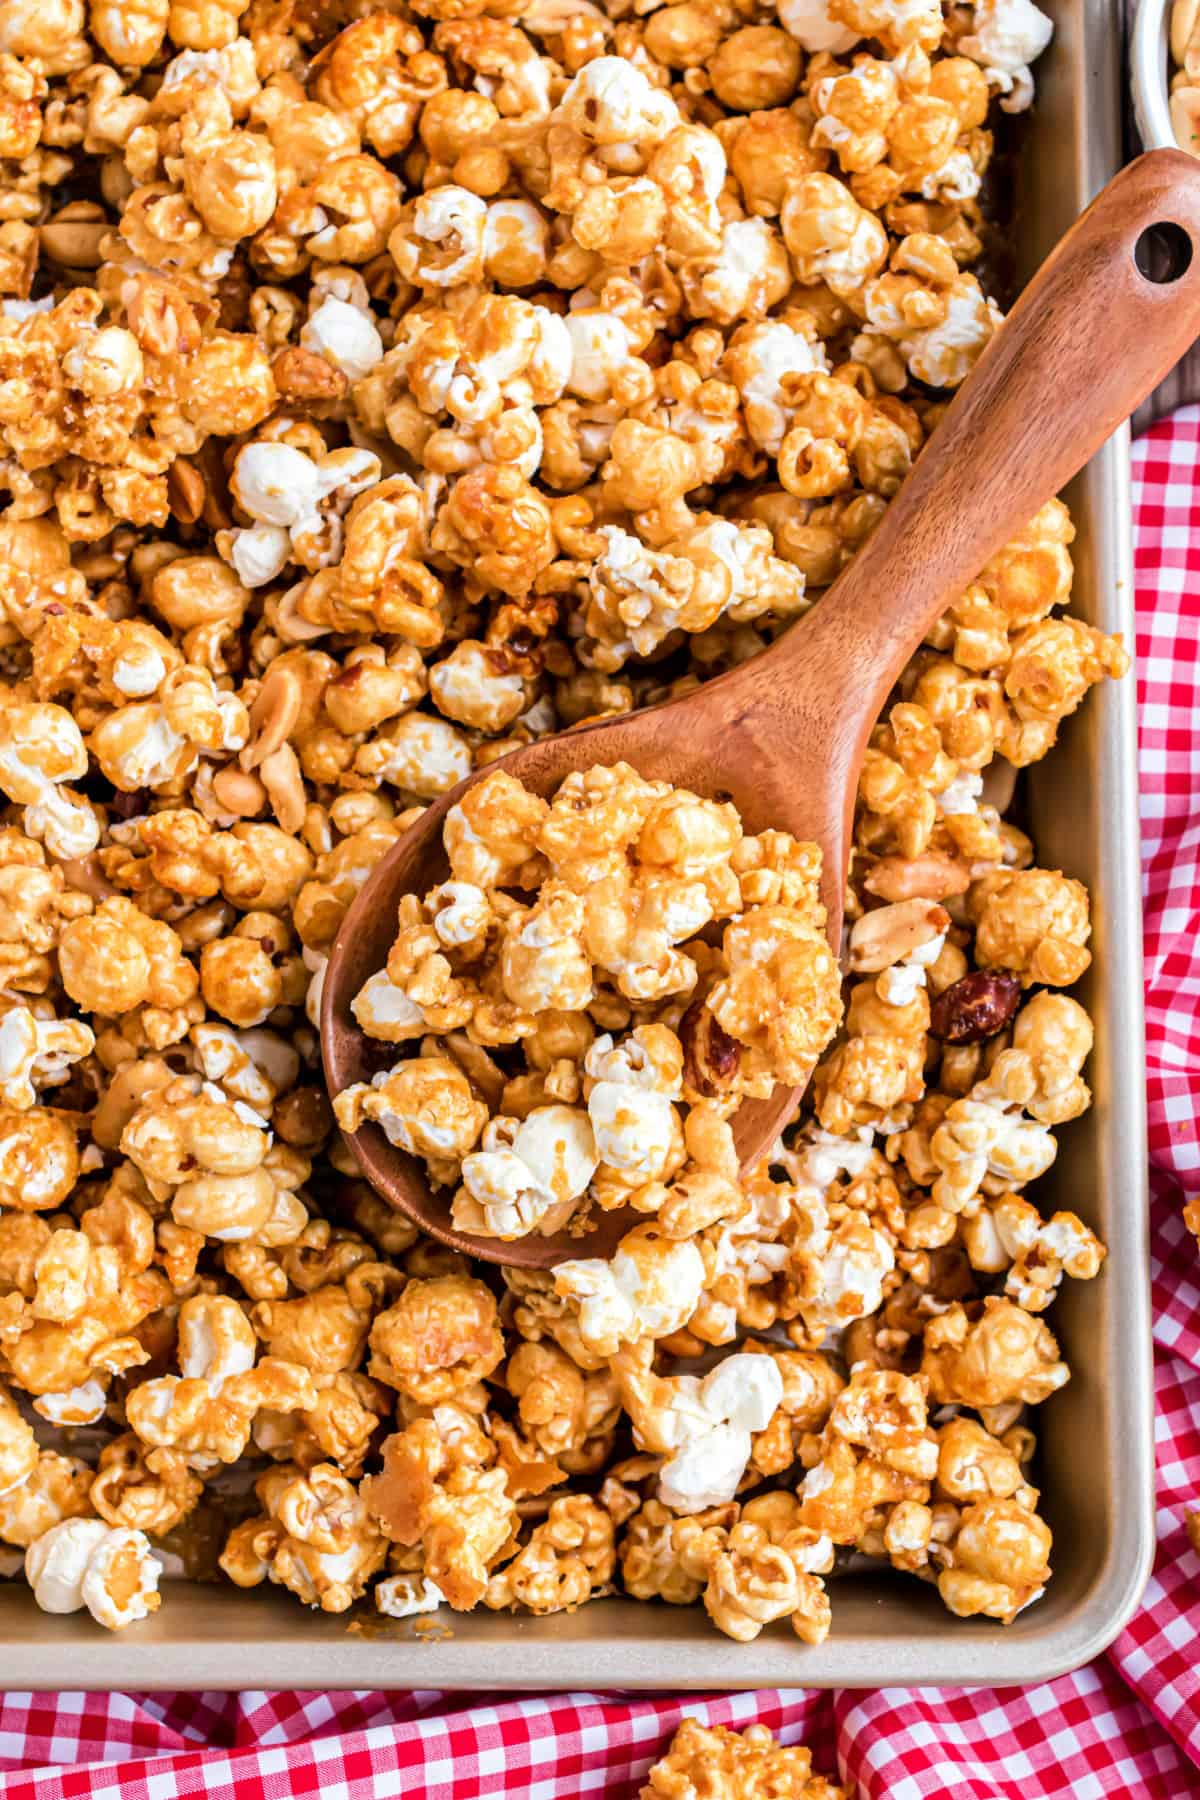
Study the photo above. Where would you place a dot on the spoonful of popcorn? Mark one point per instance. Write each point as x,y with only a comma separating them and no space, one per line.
591,983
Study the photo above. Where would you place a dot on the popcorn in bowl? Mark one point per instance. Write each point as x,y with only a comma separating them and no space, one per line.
409,389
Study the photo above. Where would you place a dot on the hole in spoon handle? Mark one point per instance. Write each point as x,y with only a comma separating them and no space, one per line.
1163,253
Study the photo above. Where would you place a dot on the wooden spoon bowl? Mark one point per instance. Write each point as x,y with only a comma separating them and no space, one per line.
783,735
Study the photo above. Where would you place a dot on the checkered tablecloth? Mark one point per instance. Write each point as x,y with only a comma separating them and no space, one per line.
1129,1724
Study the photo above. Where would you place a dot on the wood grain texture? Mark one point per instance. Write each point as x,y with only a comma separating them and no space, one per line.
783,735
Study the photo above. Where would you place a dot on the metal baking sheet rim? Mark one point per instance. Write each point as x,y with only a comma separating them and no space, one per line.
888,1630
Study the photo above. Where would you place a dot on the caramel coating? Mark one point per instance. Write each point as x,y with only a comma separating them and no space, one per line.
392,388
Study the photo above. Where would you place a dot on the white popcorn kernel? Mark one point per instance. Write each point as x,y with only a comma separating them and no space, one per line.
41,746
822,1156
713,1427
139,671
630,1298
900,984
69,828
34,1050
154,754
530,1173
1007,36
81,1405
744,1390
610,101
258,553
56,1561
634,1129
706,1471
345,336
216,1340
808,21
853,1271
955,180
460,912
445,242
86,1563
401,1596
600,344
385,1010
628,1064
962,795
275,484
424,755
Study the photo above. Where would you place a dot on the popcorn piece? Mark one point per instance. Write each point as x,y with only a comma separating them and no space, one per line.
36,1051
425,1106
213,1158
1034,922
143,1490
703,1426
997,1562
438,1490
529,1174
19,1453
648,1289
314,1537
56,1489
634,1122
1004,1355
297,503
207,1412
40,748
566,1412
403,1596
1006,36
117,959
86,1563
1010,1237
439,1338
39,1159
568,1558
345,336
735,1762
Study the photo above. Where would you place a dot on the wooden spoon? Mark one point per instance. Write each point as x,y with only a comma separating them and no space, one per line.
783,735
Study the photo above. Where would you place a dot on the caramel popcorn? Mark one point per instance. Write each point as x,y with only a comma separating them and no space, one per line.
380,391
87,1563
567,1559
734,1765
314,1537
634,869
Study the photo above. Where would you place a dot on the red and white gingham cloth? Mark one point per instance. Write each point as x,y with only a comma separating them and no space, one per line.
1129,1724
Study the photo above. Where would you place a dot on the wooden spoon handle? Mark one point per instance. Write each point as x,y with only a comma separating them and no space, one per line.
1088,339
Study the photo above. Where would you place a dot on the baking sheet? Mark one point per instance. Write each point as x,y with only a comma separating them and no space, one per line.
1097,1462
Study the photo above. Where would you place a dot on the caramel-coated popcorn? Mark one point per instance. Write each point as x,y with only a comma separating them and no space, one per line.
734,1765
381,390
628,872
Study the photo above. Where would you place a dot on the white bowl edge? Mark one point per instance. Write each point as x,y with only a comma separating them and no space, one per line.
1149,74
